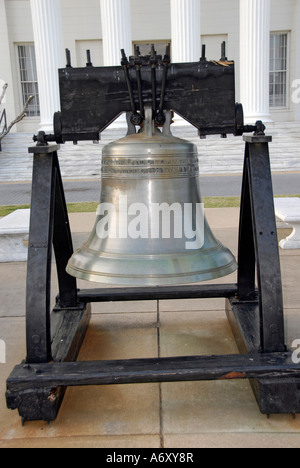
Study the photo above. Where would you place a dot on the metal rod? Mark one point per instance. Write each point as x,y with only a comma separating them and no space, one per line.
88,56
166,63
153,62
138,64
68,56
124,64
158,293
223,52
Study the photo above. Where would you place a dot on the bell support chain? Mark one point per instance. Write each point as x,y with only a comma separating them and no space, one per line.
37,386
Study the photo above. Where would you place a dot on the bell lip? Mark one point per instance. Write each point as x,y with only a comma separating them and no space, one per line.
153,280
115,256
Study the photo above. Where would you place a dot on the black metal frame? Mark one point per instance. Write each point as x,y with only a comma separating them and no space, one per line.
90,99
36,386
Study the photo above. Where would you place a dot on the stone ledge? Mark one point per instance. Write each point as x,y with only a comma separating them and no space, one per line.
288,211
14,229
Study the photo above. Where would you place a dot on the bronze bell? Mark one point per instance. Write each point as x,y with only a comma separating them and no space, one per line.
150,227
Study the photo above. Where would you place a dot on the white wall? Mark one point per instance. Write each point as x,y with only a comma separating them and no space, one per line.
150,22
82,22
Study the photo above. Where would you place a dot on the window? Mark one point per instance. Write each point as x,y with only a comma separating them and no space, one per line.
29,82
278,70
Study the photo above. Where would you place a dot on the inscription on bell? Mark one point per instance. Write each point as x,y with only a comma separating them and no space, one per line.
171,167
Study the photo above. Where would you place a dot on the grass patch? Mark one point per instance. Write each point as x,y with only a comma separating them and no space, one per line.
232,202
221,202
86,207
6,210
287,196
90,207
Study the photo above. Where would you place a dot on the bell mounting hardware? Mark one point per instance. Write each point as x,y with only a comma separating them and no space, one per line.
203,93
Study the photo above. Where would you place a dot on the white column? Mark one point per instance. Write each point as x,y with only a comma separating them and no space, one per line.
185,36
116,35
255,59
185,30
49,50
116,30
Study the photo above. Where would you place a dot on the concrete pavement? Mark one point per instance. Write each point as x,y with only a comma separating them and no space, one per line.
173,415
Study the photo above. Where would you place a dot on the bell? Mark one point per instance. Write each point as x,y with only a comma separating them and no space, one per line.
150,228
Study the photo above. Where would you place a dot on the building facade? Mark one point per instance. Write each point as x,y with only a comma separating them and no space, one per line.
262,37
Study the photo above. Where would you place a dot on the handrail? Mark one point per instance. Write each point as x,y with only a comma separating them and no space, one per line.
3,116
4,129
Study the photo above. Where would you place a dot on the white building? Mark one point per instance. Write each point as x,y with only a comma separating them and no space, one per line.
262,37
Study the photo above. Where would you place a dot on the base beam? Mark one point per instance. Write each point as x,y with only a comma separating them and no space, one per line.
279,394
194,368
43,404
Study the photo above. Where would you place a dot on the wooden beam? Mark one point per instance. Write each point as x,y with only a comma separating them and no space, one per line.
194,368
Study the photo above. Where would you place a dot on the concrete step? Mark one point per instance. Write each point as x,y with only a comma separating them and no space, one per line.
216,155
